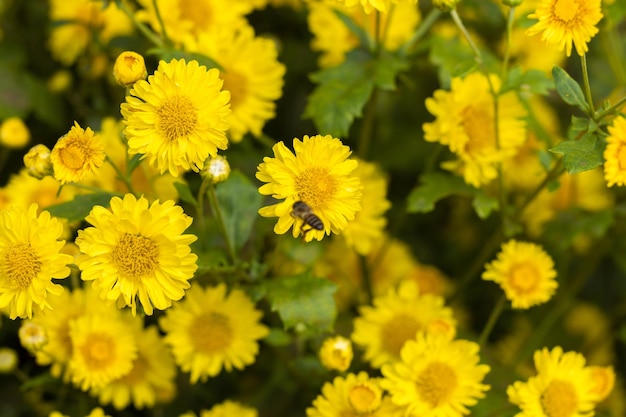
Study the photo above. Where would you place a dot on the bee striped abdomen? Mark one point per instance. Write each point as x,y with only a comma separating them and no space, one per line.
303,211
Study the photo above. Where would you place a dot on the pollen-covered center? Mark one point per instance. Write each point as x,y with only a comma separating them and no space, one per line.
211,333
98,351
566,10
21,265
559,399
478,124
177,117
436,382
316,186
523,277
237,85
365,397
74,154
135,256
397,331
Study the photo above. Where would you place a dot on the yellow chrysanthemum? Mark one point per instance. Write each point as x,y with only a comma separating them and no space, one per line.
603,381
563,22
29,259
77,155
103,349
465,122
230,409
321,175
354,395
14,133
178,117
371,5
334,39
336,353
397,317
24,190
615,153
129,67
436,376
151,371
251,73
211,330
138,250
563,386
525,272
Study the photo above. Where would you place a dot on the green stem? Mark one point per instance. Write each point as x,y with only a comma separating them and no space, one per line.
586,85
200,207
507,52
491,322
601,115
160,19
422,29
152,37
555,172
612,41
121,176
367,127
217,212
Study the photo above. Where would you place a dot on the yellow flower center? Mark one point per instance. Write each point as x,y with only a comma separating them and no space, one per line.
177,117
198,12
436,383
212,333
21,265
479,127
74,155
365,397
397,331
523,277
316,186
135,255
559,399
98,351
237,85
566,10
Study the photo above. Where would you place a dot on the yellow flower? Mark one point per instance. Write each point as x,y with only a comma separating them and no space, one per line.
321,175
138,250
32,336
178,117
14,133
354,395
563,386
445,5
563,22
531,53
216,170
97,412
37,161
8,360
615,153
525,272
397,317
251,73
210,330
436,376
230,409
23,190
336,353
465,122
603,381
77,155
129,68
29,259
371,5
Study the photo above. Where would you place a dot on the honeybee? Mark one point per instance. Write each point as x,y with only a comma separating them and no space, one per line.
303,211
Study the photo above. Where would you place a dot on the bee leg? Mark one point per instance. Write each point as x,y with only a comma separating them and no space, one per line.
304,231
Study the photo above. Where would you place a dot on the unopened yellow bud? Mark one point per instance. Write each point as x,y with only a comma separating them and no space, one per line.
32,336
446,5
336,353
129,68
216,169
38,162
14,133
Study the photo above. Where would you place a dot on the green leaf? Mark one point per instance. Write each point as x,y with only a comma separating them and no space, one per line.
358,30
133,163
484,204
581,155
534,81
569,225
239,201
303,300
569,89
434,187
386,68
185,193
277,337
80,206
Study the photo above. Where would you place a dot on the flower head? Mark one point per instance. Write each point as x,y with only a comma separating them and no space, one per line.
563,22
14,133
216,170
129,68
615,153
37,161
603,381
138,250
30,257
178,117
319,174
32,336
336,353
436,376
371,5
211,330
228,409
525,272
77,155
8,360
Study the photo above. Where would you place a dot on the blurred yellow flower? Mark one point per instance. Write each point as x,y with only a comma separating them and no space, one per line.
8,360
24,189
380,5
230,409
14,133
603,381
37,161
615,153
129,67
77,155
32,336
336,353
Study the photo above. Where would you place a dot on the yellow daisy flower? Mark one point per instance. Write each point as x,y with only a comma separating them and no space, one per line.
563,386
603,381
14,133
319,174
371,5
77,155
178,117
211,330
336,353
251,73
525,272
354,395
229,409
397,317
30,257
563,22
615,153
129,67
465,122
436,376
138,250
24,190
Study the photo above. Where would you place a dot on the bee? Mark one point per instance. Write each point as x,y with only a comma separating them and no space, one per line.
303,211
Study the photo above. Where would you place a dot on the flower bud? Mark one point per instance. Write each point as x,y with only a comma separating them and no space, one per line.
336,353
38,162
216,169
32,336
129,68
446,5
8,360
512,3
14,133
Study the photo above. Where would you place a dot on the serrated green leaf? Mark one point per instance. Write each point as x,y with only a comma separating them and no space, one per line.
303,300
386,68
185,193
581,155
484,204
569,89
239,202
80,206
434,187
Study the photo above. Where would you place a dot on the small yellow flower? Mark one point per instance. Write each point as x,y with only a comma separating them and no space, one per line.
14,133
8,360
32,336
37,161
525,272
230,409
603,381
615,153
216,170
336,353
369,6
129,68
77,155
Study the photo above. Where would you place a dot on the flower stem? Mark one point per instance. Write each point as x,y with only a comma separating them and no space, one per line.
422,29
217,212
507,52
491,322
121,176
142,28
586,85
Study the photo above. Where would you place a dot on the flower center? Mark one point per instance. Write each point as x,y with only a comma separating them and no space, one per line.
523,277
566,10
177,117
74,155
397,331
21,265
316,187
435,383
212,333
236,84
365,397
135,255
198,12
98,351
477,122
559,399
